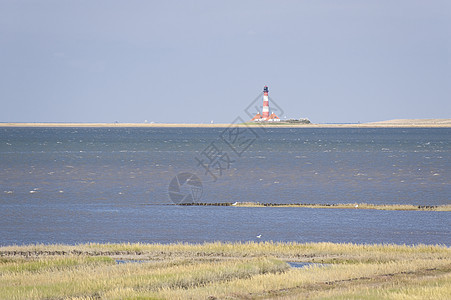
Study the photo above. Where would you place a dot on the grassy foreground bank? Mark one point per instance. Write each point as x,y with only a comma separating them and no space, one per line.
224,270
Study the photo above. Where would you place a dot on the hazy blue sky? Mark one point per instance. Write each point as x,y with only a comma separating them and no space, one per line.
196,61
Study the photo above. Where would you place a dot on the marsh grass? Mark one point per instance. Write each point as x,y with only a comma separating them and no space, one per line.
92,281
223,270
58,263
310,280
413,288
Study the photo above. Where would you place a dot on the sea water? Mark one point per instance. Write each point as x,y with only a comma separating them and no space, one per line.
72,185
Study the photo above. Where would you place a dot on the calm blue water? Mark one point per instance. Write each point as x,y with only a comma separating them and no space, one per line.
70,185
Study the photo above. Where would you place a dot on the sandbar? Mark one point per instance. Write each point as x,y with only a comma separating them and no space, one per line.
396,123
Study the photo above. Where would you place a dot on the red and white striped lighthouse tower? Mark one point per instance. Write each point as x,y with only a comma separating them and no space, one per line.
265,112
265,116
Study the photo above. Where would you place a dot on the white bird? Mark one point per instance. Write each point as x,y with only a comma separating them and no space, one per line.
235,203
259,236
356,206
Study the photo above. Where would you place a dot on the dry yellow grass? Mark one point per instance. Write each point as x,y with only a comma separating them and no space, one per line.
300,283
403,288
223,270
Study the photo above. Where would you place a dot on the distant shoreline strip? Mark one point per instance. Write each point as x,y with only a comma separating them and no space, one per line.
410,123
336,206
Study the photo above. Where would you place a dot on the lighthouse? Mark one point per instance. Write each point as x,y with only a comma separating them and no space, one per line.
265,112
265,116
